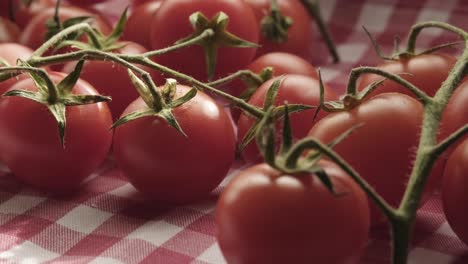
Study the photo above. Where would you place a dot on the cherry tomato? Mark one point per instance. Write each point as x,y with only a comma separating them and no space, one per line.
282,63
295,89
168,167
85,2
9,32
119,86
382,150
34,33
24,13
456,113
171,23
265,216
10,53
454,195
30,142
137,29
300,35
427,72
136,3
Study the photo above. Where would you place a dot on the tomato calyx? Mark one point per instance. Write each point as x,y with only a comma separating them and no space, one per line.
220,37
98,40
253,84
277,112
56,97
290,158
160,103
275,25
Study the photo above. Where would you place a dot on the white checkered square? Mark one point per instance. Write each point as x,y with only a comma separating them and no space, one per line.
212,255
27,253
84,219
19,204
155,232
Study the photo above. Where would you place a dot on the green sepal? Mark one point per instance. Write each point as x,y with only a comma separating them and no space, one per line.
252,86
66,85
167,115
142,88
183,99
54,27
76,100
271,94
369,89
221,37
34,96
118,29
59,112
4,63
249,136
275,25
279,111
325,179
287,139
169,90
265,137
133,116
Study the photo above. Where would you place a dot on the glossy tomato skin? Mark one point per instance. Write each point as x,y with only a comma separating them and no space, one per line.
11,52
300,35
295,89
171,23
427,72
168,167
456,113
85,2
454,195
383,148
137,29
30,143
264,216
112,79
34,33
9,32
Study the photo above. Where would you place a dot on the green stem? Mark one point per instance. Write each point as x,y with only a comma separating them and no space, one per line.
207,33
357,72
62,35
52,89
309,143
416,29
425,157
254,111
239,74
401,238
313,8
450,140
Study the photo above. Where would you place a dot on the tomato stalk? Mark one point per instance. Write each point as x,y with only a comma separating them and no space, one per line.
313,8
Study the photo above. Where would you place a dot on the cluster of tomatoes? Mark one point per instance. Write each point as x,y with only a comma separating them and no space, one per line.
264,215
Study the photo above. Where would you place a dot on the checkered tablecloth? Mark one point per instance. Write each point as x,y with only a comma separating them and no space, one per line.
107,222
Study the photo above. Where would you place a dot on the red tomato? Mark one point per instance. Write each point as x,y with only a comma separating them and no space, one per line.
295,89
11,52
85,2
427,72
9,32
168,167
454,195
136,3
171,23
34,33
112,79
282,63
137,29
456,113
30,142
23,14
382,150
300,34
265,216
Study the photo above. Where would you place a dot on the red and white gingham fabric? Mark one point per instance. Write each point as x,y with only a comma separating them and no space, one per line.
107,222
